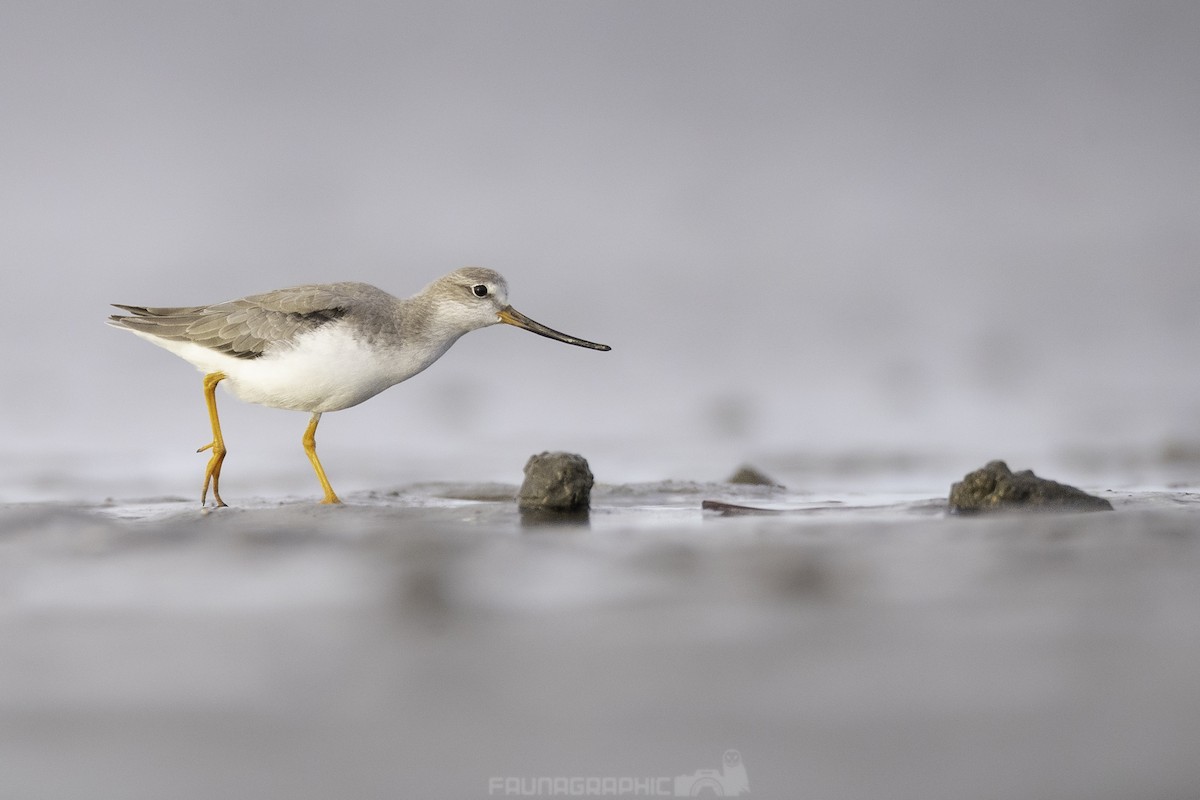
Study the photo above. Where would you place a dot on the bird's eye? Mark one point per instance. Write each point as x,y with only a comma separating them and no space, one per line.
480,290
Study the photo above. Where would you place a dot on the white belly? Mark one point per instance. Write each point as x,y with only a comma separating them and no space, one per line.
326,370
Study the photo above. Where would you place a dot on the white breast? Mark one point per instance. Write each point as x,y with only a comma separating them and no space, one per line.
325,370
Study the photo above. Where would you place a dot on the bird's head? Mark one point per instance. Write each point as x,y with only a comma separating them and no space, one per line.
474,297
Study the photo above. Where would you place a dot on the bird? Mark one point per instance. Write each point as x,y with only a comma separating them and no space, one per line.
323,347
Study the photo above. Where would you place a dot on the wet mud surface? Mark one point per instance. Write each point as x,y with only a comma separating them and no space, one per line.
426,640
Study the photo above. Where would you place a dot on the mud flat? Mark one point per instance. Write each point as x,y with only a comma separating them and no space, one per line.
423,642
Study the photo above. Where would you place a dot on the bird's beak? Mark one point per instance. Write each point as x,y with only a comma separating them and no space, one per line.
511,316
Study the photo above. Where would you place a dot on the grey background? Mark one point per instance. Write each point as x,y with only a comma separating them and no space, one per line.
946,227
863,245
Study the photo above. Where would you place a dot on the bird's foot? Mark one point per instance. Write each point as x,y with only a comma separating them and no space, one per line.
212,473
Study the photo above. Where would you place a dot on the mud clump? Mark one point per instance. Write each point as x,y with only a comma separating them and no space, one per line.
997,488
558,483
749,476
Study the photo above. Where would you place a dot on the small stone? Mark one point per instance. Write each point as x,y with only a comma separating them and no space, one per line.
997,488
747,474
557,482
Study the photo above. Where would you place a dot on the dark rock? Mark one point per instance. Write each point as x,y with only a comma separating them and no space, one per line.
997,488
556,482
749,475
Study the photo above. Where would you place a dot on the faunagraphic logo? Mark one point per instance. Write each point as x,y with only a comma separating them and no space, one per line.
730,781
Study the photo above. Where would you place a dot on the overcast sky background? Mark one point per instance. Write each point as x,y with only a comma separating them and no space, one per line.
801,226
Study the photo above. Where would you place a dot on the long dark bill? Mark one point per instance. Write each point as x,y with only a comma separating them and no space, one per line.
510,315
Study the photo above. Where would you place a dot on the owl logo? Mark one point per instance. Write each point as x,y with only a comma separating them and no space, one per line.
729,781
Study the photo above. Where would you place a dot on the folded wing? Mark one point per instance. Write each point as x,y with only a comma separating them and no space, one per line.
245,328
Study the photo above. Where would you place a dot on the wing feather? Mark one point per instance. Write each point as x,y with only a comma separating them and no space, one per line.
249,327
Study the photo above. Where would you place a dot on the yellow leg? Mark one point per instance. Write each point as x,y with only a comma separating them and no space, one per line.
213,472
310,448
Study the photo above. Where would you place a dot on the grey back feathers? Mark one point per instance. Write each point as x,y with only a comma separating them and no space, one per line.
248,327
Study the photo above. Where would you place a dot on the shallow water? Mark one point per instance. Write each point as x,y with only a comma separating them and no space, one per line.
426,642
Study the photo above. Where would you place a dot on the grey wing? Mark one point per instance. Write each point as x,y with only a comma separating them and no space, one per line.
244,328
